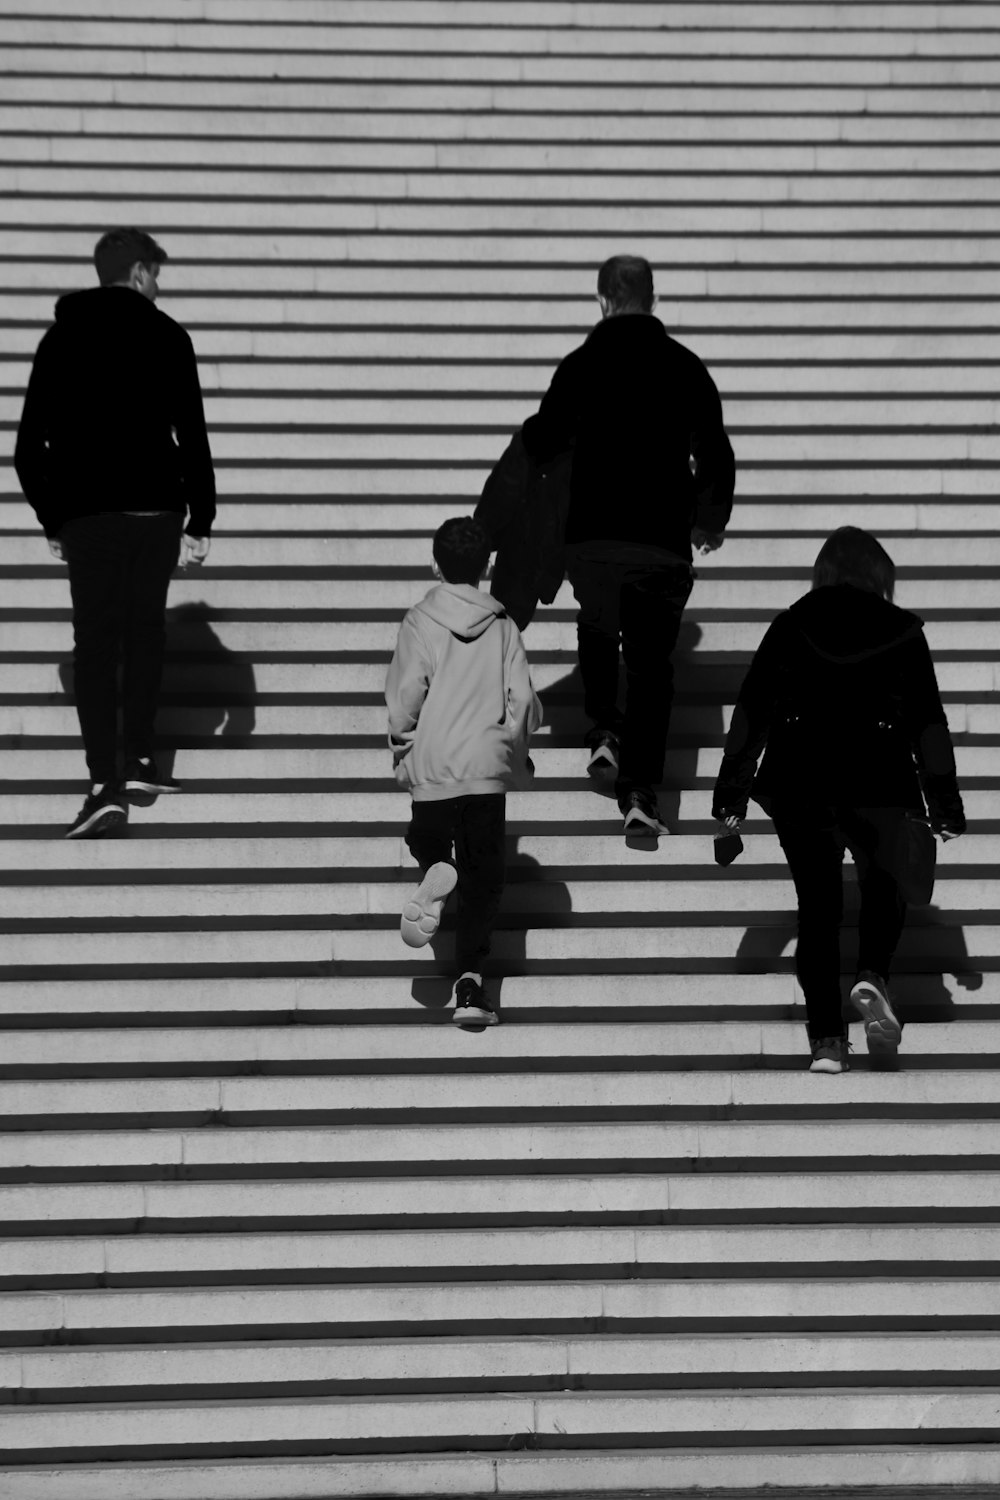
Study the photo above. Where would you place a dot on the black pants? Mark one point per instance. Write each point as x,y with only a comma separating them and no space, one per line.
475,828
814,841
119,571
639,608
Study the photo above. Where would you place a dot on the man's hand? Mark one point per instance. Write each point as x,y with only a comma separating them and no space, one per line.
56,548
706,541
194,549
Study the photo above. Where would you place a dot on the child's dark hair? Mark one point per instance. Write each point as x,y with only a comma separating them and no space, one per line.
461,549
850,555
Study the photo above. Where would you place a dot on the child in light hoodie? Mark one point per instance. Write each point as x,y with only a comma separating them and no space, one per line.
461,711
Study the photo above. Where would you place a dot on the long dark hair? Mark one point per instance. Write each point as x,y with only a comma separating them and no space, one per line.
850,555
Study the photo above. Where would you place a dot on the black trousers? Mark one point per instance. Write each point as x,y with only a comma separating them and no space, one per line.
638,609
814,841
475,829
119,572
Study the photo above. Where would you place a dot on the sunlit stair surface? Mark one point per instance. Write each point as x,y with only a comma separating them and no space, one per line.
273,1228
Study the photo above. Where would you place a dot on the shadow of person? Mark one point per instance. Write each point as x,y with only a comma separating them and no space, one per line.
941,954
534,898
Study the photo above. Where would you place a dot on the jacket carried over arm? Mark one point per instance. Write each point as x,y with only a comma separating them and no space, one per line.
651,458
113,418
523,508
842,700
461,705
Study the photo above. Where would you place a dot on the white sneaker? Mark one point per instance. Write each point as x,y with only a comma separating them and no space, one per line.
870,999
422,915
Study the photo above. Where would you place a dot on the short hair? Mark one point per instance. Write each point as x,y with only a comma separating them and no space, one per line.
626,283
117,252
850,555
461,549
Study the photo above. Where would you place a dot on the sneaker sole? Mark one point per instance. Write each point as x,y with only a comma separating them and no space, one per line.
827,1065
421,917
145,788
882,1029
102,820
602,767
472,1016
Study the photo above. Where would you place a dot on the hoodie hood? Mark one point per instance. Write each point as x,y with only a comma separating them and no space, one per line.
461,608
101,305
846,624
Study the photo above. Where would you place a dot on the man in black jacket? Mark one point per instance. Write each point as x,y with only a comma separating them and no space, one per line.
112,454
652,470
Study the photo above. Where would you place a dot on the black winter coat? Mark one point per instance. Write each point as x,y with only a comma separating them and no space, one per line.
651,458
523,507
113,417
843,694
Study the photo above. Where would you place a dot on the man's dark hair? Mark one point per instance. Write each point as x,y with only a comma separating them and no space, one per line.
850,555
626,283
117,252
461,550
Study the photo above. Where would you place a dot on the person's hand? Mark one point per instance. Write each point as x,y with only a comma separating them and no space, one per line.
706,541
194,549
56,548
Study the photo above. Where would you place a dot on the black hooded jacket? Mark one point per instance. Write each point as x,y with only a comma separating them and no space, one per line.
843,694
636,408
113,417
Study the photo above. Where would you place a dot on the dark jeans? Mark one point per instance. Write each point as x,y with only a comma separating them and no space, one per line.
814,841
119,571
475,827
638,607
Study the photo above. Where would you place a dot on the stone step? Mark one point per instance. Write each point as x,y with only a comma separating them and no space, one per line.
666,943
358,808
560,1419
346,1366
770,1303
693,893
902,42
63,131
390,997
119,1102
784,523
43,588
742,554
405,1150
569,1252
624,1472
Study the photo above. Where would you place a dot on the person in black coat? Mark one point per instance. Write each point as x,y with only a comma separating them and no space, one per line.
113,456
842,694
652,470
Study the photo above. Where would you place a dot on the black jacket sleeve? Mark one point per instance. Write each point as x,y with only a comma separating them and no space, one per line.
194,453
751,722
714,462
927,726
31,451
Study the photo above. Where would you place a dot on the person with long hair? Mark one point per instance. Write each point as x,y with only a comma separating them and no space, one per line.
842,700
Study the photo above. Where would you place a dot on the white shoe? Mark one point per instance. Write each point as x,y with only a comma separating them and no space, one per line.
422,915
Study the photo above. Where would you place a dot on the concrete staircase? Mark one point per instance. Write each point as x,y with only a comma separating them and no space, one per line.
274,1228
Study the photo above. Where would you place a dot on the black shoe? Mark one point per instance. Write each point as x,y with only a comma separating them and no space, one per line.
604,751
100,812
829,1054
472,1005
141,778
642,814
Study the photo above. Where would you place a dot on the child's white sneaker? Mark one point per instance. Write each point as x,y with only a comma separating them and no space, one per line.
422,915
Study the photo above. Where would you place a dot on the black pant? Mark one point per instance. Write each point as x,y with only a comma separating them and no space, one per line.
119,571
814,840
638,607
476,828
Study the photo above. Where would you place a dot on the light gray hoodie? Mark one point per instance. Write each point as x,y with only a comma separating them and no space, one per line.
461,705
